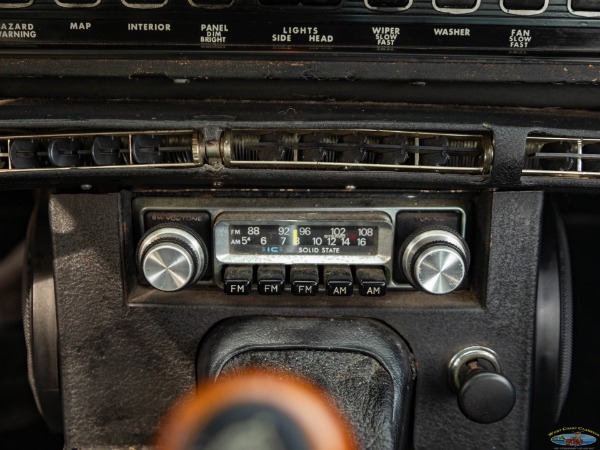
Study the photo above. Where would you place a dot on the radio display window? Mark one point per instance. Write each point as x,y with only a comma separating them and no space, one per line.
300,237
303,239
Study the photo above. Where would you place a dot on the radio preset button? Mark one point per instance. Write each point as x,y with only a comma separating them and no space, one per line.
338,280
270,280
237,280
371,281
304,280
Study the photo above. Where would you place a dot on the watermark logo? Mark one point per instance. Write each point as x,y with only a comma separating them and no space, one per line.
574,437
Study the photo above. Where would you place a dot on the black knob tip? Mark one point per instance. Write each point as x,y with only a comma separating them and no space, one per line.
486,397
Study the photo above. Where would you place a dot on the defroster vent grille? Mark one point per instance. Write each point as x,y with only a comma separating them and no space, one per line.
358,150
99,150
562,157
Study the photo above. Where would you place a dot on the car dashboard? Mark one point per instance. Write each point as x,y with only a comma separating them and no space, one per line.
394,201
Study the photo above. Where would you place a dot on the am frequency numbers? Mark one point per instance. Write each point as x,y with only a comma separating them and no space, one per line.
294,239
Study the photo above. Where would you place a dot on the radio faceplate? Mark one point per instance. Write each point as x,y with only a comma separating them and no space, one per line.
303,238
277,237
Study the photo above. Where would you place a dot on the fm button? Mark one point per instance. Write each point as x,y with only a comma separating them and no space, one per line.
304,280
237,280
270,280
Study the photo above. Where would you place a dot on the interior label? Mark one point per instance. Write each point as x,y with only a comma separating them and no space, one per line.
148,26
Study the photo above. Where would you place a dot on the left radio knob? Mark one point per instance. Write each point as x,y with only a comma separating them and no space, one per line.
171,257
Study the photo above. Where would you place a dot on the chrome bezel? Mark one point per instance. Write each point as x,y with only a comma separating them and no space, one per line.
281,207
382,221
469,354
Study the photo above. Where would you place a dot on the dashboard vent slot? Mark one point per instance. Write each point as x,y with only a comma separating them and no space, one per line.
562,157
358,150
95,150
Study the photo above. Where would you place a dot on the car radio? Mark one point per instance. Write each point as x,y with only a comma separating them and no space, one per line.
302,246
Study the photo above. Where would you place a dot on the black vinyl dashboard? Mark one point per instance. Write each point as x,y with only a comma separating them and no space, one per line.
393,199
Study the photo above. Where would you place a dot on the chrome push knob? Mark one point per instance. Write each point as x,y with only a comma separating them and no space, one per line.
171,257
435,260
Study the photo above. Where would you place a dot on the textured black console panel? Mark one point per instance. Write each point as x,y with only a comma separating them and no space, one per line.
123,366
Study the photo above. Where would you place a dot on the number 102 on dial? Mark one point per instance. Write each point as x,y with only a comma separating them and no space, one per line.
345,239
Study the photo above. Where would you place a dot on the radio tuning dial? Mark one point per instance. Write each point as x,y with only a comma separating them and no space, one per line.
171,257
435,260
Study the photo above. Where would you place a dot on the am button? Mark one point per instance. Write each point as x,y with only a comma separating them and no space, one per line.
338,280
371,281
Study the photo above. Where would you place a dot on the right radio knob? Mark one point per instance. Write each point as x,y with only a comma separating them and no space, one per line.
435,260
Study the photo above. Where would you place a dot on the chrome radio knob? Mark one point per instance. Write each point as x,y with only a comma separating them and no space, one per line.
171,257
435,260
